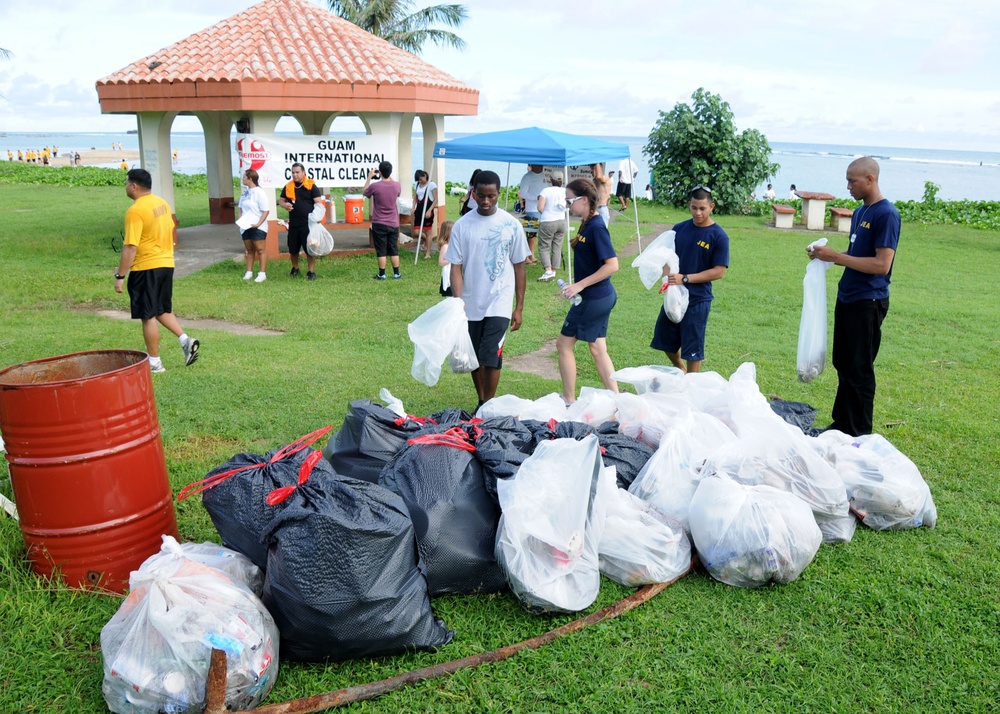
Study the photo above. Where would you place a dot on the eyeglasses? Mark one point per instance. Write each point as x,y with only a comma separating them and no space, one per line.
571,201
702,188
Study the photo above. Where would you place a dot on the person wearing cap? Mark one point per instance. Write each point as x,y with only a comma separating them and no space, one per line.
702,249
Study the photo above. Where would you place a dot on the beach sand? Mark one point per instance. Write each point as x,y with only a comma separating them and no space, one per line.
99,156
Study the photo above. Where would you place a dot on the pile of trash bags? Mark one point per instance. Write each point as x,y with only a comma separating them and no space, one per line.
348,546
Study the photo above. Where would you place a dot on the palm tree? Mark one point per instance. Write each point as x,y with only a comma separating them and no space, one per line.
5,54
392,20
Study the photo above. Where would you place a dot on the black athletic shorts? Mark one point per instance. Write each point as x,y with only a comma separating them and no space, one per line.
386,239
151,292
254,234
624,190
487,338
298,238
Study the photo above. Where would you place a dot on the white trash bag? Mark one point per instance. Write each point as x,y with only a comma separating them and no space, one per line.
440,333
885,487
550,527
157,647
640,545
811,359
650,262
551,406
236,565
593,407
750,536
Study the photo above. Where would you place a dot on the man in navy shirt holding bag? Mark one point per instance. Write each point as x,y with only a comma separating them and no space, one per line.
862,297
702,249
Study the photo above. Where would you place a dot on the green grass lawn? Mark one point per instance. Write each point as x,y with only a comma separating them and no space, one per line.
891,622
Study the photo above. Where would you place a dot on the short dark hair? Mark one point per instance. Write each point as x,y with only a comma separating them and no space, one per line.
253,176
486,178
385,169
299,165
702,194
141,178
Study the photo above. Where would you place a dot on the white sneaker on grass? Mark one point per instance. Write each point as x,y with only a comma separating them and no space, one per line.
248,275
547,276
261,277
157,368
190,351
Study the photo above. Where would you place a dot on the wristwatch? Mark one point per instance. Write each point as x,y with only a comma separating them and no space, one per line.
119,277
684,279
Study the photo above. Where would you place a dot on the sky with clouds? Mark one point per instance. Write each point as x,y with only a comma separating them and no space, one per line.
887,73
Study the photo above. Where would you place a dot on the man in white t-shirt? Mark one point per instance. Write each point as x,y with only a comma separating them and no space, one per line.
487,251
627,171
769,194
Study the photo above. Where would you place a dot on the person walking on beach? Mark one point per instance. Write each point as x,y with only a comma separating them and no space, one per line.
702,249
594,262
147,262
299,197
862,297
627,171
384,194
487,253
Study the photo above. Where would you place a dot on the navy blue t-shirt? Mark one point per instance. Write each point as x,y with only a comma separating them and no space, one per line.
589,254
699,249
874,226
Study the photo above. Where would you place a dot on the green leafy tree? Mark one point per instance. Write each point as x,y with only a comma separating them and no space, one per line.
398,23
699,146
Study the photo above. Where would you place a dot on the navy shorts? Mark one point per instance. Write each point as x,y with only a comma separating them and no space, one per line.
254,234
151,292
588,321
386,239
487,338
298,238
688,336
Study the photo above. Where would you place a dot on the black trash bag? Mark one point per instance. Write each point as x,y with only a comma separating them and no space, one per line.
501,447
344,578
454,518
450,416
237,504
627,454
370,436
798,414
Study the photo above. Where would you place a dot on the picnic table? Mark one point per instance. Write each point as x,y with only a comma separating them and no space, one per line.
814,209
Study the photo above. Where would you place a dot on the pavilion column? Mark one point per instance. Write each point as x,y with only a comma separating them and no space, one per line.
219,164
432,126
154,153
265,123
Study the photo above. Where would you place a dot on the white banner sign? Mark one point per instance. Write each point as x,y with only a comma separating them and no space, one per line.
330,161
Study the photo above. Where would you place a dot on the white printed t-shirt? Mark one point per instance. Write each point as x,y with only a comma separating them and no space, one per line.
628,170
487,247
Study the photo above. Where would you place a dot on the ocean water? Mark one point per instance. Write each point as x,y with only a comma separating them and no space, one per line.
811,167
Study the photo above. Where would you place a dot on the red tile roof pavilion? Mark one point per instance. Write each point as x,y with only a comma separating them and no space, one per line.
288,56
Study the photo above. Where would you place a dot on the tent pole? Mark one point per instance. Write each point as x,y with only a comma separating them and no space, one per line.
506,193
635,203
569,258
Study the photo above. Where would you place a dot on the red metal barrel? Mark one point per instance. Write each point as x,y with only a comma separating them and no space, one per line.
86,464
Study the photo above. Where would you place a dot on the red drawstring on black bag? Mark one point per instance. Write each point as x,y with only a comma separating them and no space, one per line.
282,453
279,495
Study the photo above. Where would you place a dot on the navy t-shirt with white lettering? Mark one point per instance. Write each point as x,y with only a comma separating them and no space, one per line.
700,249
872,227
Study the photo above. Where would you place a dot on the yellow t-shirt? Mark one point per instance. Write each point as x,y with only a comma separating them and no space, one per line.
150,226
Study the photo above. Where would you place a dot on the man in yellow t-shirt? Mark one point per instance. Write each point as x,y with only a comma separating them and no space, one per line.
148,261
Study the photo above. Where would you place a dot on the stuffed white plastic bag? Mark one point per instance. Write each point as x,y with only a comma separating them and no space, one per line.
675,297
236,565
651,378
441,332
885,487
811,359
749,536
156,648
593,407
551,406
550,527
640,545
319,242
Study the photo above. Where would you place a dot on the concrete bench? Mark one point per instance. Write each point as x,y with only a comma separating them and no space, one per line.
814,209
840,219
783,215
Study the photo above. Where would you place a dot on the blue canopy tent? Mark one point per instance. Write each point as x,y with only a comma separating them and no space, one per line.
533,145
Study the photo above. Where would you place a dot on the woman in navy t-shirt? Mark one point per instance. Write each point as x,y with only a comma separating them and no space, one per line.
594,262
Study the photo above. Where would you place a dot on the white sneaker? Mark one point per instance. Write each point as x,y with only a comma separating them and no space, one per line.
248,275
547,276
261,277
190,351
157,368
